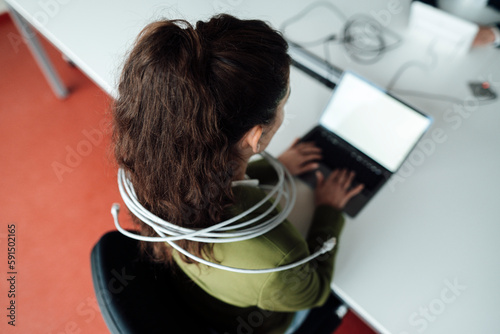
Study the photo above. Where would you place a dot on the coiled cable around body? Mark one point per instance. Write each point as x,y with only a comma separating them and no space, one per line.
226,231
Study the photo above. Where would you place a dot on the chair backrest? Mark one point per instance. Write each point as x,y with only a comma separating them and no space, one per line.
135,295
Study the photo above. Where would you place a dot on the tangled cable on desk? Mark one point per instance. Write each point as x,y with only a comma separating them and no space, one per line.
362,36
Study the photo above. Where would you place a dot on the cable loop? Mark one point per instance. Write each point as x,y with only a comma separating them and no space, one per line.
225,231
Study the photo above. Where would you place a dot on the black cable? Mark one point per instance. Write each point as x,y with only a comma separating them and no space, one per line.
324,41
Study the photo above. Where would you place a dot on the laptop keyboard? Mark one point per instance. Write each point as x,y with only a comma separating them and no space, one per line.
340,155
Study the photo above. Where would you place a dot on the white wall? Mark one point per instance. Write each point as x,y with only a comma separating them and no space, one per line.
3,6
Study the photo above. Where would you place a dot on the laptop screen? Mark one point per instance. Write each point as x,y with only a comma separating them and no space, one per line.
377,124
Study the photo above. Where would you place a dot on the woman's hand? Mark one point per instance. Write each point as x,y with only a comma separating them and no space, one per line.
485,36
300,157
336,190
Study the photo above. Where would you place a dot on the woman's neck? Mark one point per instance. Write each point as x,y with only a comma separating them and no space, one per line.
241,168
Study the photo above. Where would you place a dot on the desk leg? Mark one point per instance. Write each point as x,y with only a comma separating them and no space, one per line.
40,56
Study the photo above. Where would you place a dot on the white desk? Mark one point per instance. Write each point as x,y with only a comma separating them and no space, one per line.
422,257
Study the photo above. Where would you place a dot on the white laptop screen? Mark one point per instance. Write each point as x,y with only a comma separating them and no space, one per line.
377,124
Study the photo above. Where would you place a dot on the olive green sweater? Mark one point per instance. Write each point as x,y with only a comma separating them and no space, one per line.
262,303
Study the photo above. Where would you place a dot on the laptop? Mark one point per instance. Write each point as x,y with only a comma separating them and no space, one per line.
366,130
450,33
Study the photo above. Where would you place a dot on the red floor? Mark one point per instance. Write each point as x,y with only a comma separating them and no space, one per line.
57,186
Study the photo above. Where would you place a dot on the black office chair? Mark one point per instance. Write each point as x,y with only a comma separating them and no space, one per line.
135,295
325,319
138,297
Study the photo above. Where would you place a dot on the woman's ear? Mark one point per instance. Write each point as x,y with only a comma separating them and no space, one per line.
252,137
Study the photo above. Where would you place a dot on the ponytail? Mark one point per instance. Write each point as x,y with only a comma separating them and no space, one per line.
186,96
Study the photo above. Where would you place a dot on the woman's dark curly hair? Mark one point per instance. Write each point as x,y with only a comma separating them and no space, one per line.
186,96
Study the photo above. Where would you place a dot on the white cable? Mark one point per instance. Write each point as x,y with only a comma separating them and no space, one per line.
177,232
222,232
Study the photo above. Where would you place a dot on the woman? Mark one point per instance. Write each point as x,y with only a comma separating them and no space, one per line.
194,104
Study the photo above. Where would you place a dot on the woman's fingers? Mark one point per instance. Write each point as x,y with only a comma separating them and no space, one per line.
319,178
295,142
304,159
354,191
333,176
307,157
348,179
336,189
343,178
307,148
307,167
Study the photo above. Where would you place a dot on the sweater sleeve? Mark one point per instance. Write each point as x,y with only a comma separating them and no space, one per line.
308,285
